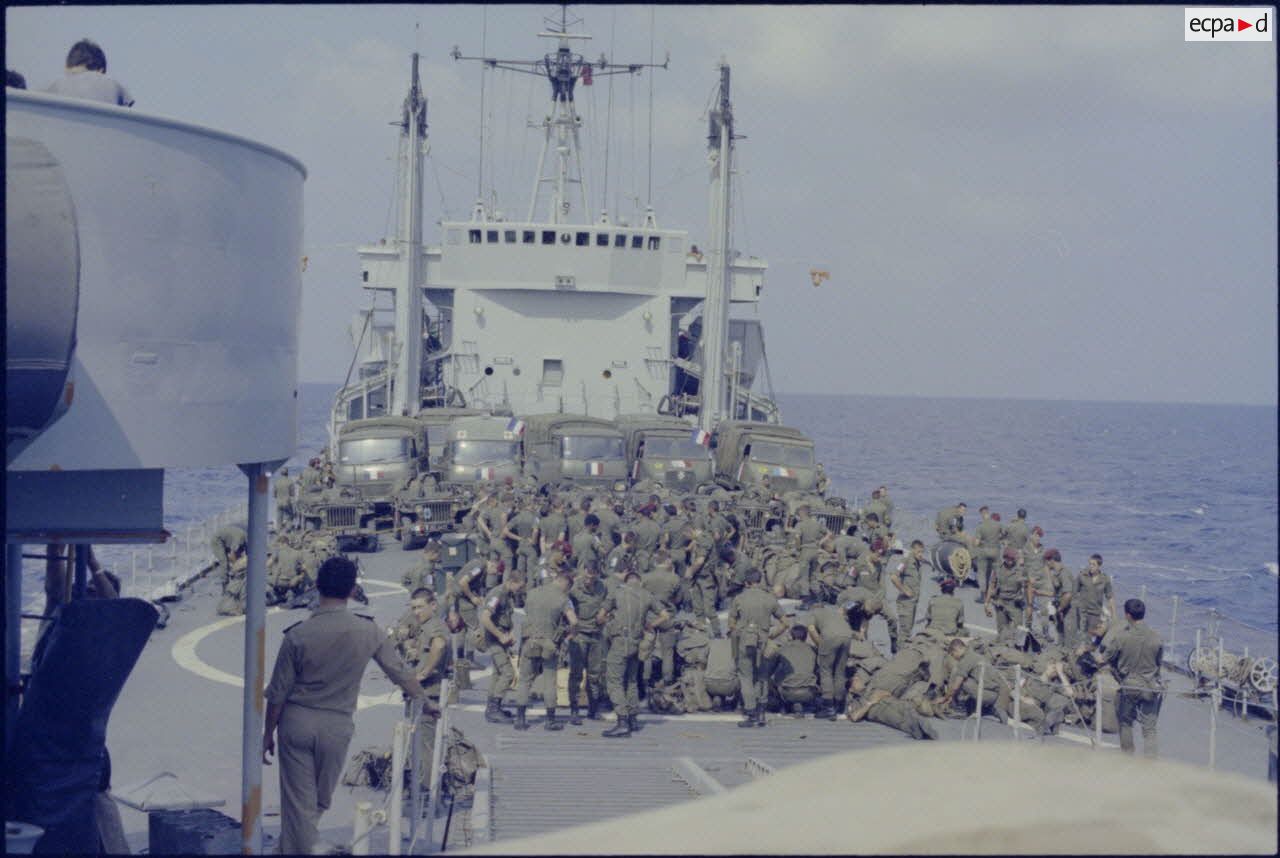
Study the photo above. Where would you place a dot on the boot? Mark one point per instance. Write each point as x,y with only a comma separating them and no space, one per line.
574,718
749,720
521,723
551,723
633,722
593,707
760,722
494,713
620,730
833,711
462,675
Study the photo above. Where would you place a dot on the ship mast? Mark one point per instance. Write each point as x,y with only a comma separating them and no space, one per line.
408,299
715,308
561,126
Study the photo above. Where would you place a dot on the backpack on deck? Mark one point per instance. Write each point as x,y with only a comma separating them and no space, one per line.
369,767
461,760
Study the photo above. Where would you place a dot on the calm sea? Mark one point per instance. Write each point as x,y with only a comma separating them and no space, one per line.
1179,498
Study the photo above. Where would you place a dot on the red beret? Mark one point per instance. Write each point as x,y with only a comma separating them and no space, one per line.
1010,554
877,544
995,516
1052,554
1038,530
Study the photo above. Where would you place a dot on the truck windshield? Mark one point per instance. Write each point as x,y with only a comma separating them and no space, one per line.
782,454
668,447
479,452
590,447
365,451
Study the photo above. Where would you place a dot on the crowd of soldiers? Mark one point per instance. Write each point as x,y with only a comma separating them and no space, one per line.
627,589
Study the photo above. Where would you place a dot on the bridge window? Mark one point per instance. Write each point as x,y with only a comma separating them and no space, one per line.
548,236
509,236
653,242
602,239
620,240
584,238
492,238
529,236
473,236
637,242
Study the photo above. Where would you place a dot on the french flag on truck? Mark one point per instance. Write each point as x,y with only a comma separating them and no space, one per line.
595,469
485,473
701,436
516,426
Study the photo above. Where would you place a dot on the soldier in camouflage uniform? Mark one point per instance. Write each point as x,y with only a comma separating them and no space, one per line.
668,589
522,529
751,625
1092,597
986,548
907,577
429,659
944,618
586,647
496,620
630,611
808,537
794,673
425,572
1007,591
545,609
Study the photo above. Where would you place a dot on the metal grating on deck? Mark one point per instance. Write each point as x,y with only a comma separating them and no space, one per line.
546,781
532,795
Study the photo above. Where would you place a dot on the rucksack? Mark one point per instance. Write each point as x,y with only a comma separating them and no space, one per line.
461,760
369,767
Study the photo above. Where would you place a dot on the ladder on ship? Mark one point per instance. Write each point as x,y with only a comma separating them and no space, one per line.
748,405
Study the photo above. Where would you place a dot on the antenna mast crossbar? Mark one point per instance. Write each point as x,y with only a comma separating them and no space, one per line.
562,69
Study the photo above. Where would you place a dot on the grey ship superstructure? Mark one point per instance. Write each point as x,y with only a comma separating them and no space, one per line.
560,311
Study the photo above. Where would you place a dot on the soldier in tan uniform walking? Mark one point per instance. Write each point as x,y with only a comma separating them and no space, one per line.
1136,652
312,697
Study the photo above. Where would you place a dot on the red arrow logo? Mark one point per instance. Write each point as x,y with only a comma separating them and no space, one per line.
1242,24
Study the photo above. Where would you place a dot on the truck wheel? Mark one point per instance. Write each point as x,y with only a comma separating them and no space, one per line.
371,544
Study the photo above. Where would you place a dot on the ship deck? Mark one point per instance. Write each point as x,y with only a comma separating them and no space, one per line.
180,712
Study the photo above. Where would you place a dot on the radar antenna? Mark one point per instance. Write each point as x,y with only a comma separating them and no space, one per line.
562,69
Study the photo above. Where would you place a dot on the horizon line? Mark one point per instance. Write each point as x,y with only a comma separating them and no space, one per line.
985,398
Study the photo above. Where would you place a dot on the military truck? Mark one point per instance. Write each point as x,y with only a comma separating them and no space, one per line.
665,450
747,452
374,458
574,449
437,420
481,450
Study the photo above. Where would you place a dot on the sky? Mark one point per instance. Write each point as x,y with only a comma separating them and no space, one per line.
1012,201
